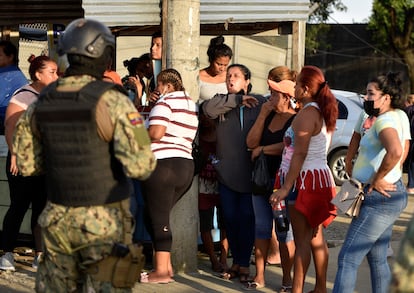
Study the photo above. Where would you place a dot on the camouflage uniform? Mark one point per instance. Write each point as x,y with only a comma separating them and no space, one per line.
403,270
75,237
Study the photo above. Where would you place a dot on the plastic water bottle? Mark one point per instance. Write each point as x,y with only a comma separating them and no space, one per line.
214,160
280,216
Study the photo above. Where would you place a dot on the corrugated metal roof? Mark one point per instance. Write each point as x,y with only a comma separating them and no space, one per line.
147,12
241,11
124,13
45,11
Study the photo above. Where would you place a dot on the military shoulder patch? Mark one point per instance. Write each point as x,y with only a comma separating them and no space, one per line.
135,118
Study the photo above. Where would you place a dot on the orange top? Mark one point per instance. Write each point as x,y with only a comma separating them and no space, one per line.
112,76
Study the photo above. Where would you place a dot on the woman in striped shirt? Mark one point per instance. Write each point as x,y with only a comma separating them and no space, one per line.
172,127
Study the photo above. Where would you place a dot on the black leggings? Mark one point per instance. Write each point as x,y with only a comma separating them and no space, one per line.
23,192
161,191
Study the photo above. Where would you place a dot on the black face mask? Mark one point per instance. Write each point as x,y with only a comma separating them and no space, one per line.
369,108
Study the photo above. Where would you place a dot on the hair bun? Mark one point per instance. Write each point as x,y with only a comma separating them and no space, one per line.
217,41
31,58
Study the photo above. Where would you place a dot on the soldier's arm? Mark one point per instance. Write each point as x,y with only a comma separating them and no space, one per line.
132,145
27,146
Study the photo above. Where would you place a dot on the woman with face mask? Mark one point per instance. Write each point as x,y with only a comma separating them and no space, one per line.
383,148
172,128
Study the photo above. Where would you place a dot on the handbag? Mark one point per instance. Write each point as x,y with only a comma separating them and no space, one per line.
198,158
261,180
350,197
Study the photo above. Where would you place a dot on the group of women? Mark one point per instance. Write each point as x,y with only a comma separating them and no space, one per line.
293,128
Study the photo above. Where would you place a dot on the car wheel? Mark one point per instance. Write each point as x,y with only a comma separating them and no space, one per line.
336,163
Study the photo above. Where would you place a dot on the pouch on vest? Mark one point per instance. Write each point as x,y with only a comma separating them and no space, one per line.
122,272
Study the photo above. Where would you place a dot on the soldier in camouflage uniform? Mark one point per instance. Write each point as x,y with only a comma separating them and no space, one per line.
87,137
403,271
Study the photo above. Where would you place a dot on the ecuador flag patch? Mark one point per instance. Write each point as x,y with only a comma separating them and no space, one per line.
134,118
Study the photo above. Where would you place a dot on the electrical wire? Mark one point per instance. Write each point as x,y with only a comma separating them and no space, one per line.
385,55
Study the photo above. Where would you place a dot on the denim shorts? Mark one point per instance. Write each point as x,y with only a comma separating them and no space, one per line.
264,220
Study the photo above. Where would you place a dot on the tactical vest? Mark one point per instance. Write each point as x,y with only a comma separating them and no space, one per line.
81,167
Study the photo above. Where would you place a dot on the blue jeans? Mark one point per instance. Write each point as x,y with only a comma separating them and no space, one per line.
264,220
238,218
409,165
368,235
263,217
140,233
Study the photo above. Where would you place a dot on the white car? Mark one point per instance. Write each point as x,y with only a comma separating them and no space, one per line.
350,105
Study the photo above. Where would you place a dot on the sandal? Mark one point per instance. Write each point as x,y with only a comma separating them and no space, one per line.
229,275
144,278
250,286
285,289
244,275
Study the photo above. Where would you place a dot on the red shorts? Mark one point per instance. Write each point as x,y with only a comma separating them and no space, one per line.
315,189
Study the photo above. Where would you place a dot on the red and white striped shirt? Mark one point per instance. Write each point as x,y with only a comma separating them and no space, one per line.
177,112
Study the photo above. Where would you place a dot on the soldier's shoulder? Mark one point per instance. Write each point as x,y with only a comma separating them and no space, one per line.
115,97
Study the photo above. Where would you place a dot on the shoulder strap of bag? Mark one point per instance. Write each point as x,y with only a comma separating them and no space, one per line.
25,90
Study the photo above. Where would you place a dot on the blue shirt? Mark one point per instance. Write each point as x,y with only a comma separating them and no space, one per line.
11,79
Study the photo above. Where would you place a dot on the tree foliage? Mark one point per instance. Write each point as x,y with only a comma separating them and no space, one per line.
392,22
323,8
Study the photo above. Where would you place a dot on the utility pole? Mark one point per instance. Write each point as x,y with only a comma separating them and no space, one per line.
181,36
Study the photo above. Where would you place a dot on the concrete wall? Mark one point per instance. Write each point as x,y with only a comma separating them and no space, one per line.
259,57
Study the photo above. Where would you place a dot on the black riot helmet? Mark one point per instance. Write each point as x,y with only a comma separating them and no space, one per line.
86,37
89,46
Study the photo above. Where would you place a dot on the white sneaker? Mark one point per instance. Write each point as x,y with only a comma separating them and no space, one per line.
35,263
7,262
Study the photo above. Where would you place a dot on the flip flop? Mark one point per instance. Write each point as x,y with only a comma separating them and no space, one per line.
245,277
251,286
229,275
144,278
285,289
278,264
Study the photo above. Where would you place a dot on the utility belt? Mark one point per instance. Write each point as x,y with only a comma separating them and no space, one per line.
124,264
122,268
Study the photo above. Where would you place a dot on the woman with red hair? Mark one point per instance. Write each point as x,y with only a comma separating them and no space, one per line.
304,177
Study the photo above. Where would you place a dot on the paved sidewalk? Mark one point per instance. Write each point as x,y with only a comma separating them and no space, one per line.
205,279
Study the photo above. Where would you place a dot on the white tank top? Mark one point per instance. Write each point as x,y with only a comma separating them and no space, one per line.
209,90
